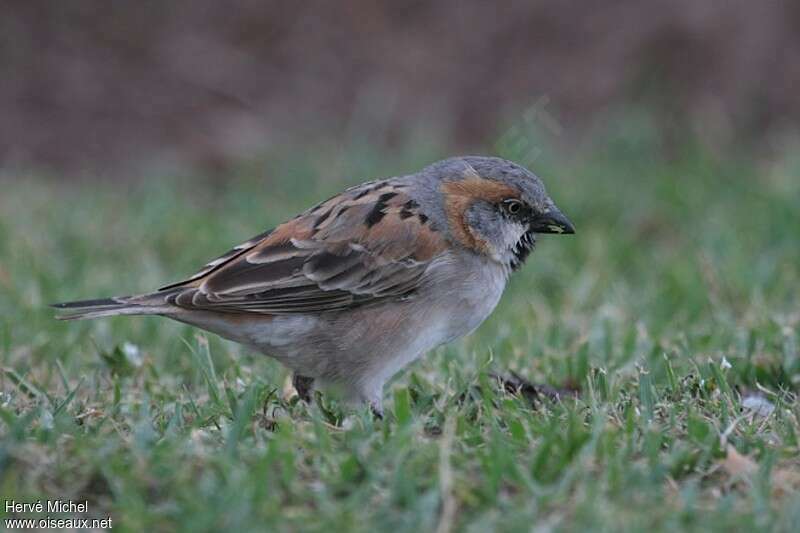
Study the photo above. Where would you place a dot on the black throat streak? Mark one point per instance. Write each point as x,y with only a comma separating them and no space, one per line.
522,249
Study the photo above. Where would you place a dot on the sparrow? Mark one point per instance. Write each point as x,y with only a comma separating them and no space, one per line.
354,289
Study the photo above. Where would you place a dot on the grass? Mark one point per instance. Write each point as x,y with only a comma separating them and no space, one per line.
674,305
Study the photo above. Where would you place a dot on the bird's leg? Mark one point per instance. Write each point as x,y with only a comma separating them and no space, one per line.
303,385
534,392
371,393
377,410
375,401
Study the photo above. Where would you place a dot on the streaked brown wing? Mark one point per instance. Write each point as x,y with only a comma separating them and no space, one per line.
366,244
216,263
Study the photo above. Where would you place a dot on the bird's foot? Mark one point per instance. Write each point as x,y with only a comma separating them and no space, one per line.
534,392
377,411
303,385
375,403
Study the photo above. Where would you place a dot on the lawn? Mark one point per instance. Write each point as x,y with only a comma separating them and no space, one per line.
673,311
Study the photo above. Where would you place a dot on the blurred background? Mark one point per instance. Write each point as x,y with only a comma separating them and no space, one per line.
115,89
140,139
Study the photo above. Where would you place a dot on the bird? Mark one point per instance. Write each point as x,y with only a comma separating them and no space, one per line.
357,287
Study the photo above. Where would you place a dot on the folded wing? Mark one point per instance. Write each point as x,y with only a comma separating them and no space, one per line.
365,245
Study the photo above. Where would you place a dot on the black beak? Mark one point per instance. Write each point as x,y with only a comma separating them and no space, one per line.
553,221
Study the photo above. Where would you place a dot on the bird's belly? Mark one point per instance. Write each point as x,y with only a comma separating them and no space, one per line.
274,335
448,313
369,343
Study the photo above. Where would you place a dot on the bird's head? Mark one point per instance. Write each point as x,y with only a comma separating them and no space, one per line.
496,207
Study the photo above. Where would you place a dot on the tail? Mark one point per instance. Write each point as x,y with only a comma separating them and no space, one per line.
119,305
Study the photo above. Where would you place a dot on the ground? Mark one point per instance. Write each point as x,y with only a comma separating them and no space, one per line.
673,312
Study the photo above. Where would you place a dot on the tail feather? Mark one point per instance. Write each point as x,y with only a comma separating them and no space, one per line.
102,307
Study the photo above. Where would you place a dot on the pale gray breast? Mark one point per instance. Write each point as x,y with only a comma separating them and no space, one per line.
464,291
459,292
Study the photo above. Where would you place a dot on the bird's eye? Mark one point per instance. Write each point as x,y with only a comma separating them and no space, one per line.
512,207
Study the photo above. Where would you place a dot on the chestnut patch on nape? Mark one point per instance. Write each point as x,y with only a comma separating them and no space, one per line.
480,188
460,195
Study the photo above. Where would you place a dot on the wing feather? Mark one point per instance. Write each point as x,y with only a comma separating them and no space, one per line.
365,245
